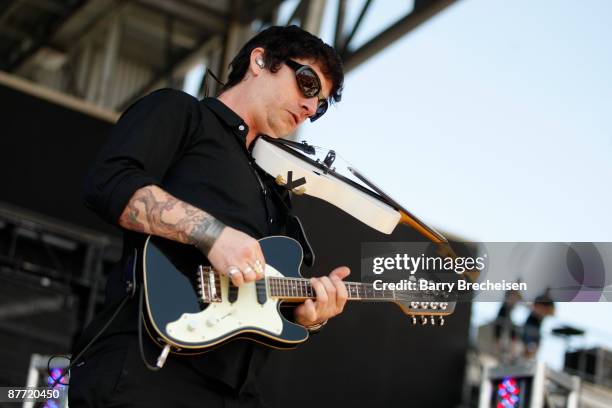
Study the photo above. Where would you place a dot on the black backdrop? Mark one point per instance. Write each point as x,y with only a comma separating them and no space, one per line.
368,356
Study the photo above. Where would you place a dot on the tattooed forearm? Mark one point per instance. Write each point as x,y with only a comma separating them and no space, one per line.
151,210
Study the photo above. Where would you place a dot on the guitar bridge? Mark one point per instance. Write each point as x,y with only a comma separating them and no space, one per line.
209,285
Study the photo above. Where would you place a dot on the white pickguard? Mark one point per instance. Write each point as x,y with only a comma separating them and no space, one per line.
221,318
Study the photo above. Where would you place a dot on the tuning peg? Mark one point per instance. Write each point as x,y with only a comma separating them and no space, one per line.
424,305
432,320
433,305
413,320
441,321
423,320
443,305
414,305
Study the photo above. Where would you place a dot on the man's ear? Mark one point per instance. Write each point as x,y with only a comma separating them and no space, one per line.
257,63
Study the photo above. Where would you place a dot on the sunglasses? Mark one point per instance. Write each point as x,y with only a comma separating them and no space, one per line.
310,85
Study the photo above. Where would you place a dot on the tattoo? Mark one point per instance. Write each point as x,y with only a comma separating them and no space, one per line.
151,210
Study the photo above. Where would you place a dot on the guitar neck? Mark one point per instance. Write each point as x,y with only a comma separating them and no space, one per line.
300,289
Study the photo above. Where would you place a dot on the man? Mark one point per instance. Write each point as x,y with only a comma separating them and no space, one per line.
181,169
543,306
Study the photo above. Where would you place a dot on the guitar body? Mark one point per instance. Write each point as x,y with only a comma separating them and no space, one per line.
193,310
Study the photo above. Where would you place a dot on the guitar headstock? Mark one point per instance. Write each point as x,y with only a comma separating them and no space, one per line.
426,307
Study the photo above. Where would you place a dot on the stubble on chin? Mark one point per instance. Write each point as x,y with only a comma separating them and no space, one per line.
278,127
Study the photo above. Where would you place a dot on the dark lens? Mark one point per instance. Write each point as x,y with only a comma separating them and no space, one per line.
308,81
321,109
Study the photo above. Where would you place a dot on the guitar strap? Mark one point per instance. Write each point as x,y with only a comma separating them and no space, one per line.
294,227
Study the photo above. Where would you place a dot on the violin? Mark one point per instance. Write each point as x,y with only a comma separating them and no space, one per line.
295,166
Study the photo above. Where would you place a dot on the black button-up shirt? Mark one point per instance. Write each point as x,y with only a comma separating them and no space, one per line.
196,151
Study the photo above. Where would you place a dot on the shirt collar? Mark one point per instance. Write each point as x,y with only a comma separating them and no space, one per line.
228,116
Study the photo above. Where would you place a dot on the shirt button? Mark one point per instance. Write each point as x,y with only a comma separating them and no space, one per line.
271,220
241,127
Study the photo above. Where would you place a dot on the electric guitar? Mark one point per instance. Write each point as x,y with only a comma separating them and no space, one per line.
190,308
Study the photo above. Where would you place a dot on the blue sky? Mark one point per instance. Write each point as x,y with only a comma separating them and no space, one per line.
491,122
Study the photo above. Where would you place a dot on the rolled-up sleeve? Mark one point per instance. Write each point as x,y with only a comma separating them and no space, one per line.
141,148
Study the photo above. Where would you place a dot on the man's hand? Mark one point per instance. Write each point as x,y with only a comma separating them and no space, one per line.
331,298
237,255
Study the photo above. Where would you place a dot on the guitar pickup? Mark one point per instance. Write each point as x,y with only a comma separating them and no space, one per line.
260,287
232,294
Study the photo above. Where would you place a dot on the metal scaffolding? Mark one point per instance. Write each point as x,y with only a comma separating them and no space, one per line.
110,53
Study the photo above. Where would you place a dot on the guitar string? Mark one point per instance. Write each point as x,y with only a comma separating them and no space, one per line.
280,286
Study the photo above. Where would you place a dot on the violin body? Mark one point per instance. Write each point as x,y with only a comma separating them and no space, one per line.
290,170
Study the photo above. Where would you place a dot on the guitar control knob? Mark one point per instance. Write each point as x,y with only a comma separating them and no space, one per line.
413,320
192,325
212,320
423,320
441,321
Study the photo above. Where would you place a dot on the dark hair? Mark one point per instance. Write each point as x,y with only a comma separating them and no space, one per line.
282,43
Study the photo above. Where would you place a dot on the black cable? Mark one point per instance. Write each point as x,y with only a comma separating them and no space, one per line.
140,344
78,356
208,71
58,381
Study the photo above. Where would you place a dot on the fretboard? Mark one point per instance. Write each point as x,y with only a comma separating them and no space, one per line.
299,288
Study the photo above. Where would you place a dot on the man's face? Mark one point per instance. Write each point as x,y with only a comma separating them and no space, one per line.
282,106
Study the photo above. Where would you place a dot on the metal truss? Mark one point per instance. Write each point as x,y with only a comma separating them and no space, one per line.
111,52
